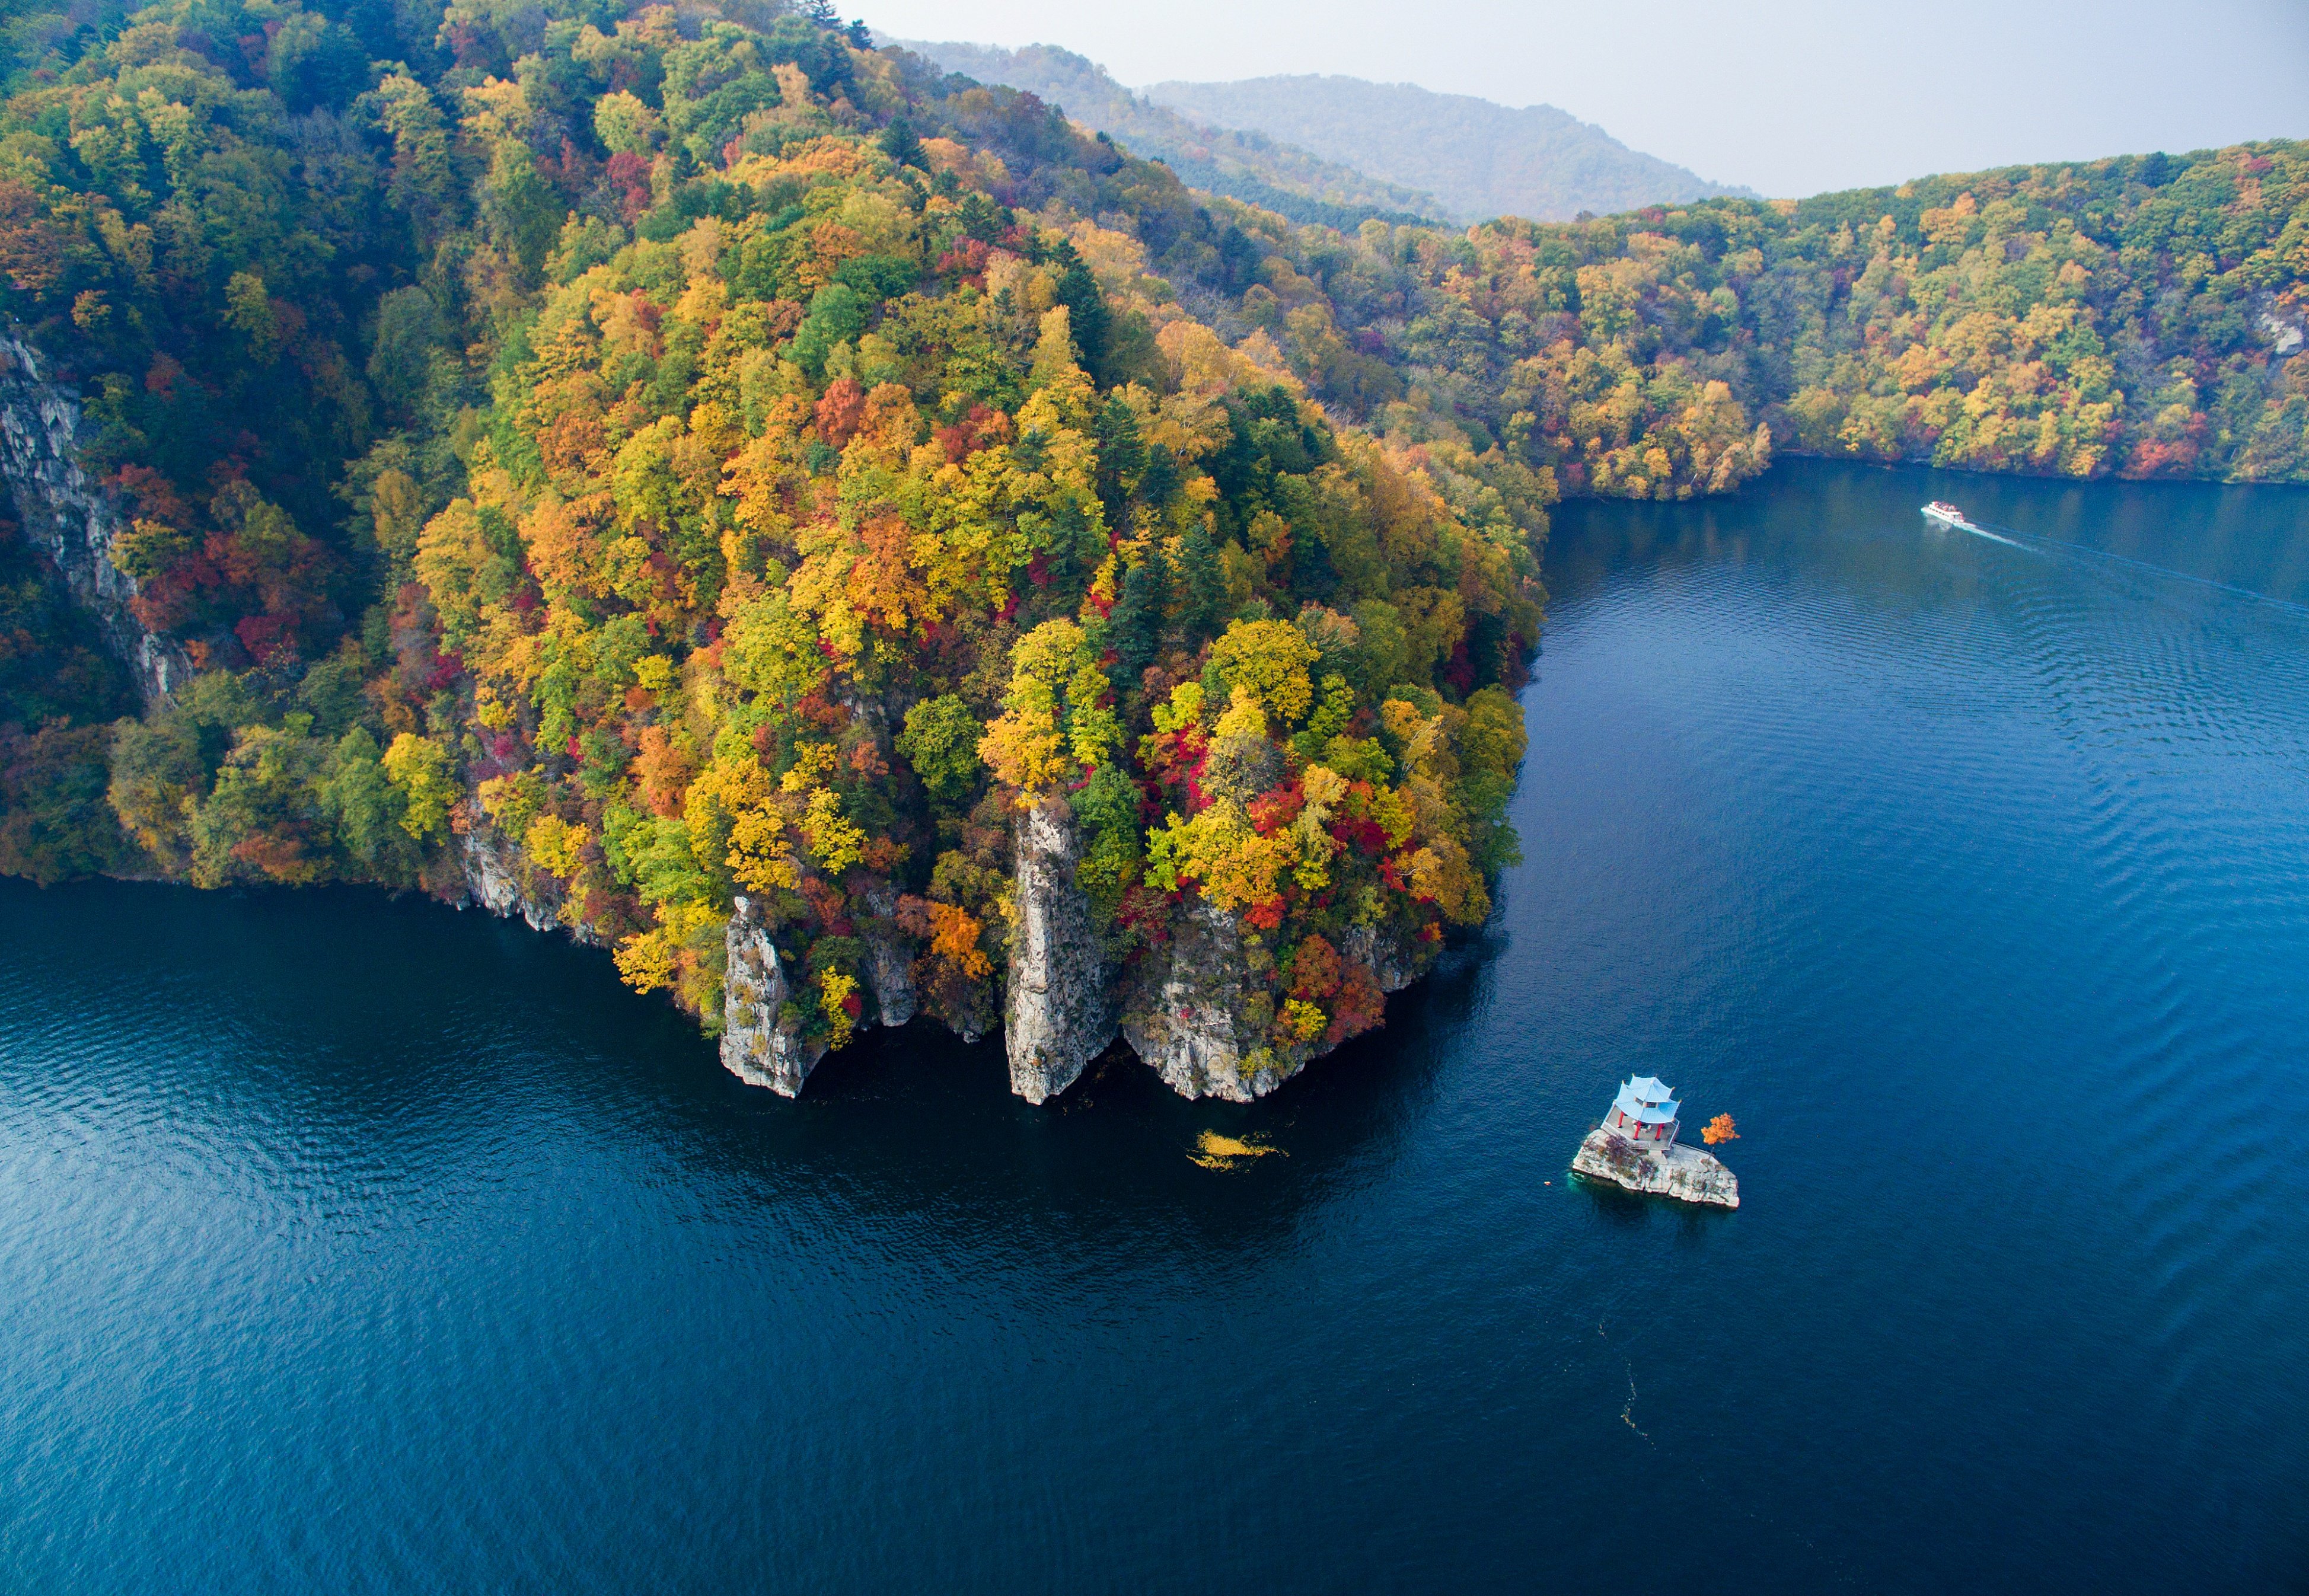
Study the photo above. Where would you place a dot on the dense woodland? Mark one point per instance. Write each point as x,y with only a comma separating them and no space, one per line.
2137,318
691,453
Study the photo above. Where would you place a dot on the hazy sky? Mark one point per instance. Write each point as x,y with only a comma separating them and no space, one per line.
1789,96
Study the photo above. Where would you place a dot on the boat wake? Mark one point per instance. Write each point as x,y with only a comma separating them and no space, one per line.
1942,514
1982,531
2037,543
2065,547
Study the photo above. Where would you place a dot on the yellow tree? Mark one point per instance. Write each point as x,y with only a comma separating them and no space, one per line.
1270,659
1056,724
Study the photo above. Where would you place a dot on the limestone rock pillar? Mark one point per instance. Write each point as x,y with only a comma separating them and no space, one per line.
1060,1010
759,1045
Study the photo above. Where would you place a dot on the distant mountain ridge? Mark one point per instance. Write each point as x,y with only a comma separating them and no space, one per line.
1247,166
1480,159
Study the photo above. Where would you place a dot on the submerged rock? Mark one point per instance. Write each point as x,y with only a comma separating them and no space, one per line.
759,1044
71,520
1060,1008
1684,1173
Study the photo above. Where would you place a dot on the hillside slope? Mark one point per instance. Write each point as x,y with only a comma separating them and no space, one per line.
1480,160
707,500
1243,166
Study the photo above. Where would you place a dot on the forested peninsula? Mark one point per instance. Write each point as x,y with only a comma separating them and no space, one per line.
854,544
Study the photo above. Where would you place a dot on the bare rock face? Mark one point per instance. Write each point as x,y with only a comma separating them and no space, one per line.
1392,964
1684,1173
889,963
758,1046
1186,1016
70,519
499,880
1199,1014
1060,1006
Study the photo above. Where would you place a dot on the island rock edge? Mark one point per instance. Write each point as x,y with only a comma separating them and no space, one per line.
1684,1173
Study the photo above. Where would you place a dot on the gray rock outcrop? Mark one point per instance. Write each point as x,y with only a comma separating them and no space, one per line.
889,961
759,1045
1186,1016
498,878
70,519
1059,1008
1198,1014
1392,964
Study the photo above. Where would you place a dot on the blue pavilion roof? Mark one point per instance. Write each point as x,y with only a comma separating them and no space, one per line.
1647,1101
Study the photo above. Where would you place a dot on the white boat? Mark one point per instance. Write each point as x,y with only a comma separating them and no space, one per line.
1948,515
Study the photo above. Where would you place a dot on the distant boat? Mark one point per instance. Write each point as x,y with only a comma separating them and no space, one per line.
1948,515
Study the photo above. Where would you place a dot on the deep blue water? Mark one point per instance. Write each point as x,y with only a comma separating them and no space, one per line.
352,1245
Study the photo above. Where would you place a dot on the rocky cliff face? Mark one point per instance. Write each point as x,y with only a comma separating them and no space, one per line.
499,879
69,518
1060,1008
889,961
1187,1013
759,1045
1201,1015
1391,963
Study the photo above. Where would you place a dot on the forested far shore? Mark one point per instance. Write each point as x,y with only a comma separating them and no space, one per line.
2141,316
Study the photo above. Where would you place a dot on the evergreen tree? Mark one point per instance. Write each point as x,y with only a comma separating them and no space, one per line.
1088,317
900,144
1121,456
1205,607
1313,578
1134,629
1160,480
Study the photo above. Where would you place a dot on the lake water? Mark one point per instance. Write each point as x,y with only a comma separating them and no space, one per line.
351,1244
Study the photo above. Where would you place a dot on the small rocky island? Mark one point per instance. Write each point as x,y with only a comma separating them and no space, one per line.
1636,1147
